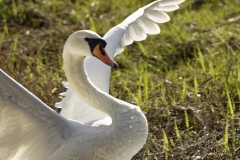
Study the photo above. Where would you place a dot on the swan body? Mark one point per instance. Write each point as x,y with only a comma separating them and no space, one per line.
92,123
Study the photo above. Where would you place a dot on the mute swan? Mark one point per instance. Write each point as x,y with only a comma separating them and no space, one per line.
109,129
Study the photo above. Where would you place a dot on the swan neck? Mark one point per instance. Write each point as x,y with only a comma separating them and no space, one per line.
86,90
127,119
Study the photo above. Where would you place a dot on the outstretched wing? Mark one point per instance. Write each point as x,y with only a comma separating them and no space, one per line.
139,24
29,129
133,28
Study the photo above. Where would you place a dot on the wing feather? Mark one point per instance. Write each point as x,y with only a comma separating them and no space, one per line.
156,16
139,32
26,123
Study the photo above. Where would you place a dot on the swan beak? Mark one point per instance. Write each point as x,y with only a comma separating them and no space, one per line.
102,55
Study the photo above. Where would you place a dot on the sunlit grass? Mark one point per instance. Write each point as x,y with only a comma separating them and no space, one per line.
165,144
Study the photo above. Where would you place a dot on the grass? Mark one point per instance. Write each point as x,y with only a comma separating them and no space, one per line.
187,79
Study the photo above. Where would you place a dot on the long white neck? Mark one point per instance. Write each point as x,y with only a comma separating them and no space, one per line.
94,97
128,122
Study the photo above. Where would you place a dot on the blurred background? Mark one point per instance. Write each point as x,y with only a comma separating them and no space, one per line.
186,79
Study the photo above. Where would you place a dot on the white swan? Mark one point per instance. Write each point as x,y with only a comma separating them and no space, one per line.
109,129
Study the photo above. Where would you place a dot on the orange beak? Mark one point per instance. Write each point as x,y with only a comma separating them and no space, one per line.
102,55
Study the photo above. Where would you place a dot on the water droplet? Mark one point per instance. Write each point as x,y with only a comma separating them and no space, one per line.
129,141
131,117
130,126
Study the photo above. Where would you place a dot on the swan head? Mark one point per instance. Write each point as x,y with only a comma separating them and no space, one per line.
87,43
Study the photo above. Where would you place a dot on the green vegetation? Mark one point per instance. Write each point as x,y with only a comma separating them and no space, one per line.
187,79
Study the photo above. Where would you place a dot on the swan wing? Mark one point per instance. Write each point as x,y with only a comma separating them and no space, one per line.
133,28
29,128
136,26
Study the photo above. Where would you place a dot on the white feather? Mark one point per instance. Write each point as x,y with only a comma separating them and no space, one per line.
26,121
157,16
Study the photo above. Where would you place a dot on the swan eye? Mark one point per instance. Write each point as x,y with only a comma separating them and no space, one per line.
102,50
103,43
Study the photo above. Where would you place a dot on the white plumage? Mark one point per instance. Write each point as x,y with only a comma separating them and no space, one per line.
109,129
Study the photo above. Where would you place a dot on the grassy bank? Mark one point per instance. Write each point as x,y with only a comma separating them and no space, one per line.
187,79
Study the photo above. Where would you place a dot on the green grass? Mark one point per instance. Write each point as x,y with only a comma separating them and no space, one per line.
186,80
